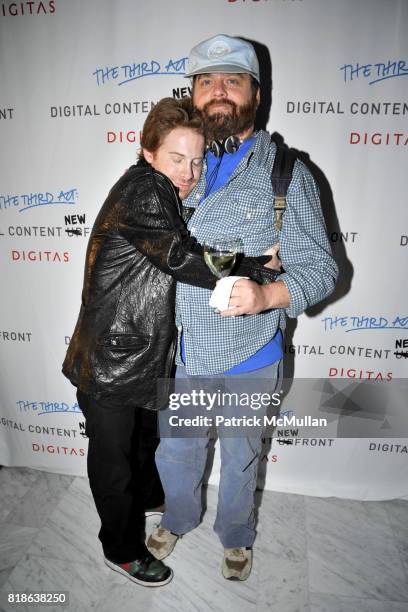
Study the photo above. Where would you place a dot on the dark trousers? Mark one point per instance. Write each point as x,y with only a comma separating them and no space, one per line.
122,474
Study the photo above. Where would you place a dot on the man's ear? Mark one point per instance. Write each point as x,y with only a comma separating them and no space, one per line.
147,155
258,97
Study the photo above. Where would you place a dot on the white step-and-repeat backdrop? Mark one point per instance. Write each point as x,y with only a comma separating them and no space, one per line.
77,80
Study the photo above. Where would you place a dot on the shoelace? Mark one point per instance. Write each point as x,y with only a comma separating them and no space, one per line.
237,552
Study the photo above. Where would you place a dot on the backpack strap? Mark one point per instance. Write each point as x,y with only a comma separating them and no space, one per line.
281,176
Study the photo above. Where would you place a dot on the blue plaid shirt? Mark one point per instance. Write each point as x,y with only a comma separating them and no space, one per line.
243,208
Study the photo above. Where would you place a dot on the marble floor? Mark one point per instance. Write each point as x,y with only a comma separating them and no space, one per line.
311,554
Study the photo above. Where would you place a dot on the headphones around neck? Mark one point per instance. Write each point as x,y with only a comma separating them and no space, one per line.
229,145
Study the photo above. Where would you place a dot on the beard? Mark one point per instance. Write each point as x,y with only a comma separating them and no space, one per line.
218,126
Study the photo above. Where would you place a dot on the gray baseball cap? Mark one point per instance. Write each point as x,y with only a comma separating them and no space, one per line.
223,53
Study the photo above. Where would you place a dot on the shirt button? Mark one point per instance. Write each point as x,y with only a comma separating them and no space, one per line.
198,196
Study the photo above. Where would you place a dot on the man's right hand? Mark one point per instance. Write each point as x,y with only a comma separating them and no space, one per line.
248,297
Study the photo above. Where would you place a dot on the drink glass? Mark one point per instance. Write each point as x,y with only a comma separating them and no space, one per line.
220,254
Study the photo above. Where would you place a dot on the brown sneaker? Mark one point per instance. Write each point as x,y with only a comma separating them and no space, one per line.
161,542
237,563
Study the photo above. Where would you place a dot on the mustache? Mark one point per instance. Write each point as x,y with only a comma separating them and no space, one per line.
212,103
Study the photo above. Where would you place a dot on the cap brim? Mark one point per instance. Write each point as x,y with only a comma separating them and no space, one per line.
226,68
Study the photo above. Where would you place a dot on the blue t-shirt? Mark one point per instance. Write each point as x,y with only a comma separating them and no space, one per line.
219,170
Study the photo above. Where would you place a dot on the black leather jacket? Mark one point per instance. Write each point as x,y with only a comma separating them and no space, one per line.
125,336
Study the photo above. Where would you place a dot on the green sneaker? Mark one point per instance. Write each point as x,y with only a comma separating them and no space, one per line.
147,571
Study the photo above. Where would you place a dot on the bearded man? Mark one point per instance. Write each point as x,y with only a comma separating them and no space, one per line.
234,198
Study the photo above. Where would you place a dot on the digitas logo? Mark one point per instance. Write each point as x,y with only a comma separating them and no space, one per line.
16,9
